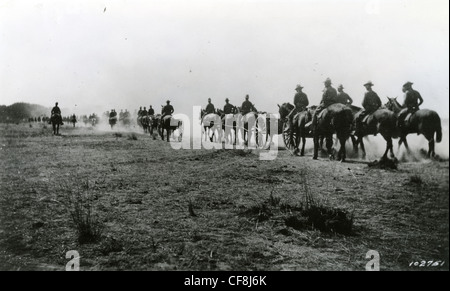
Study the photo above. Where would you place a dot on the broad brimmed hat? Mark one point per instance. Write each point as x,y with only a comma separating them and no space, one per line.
369,83
226,99
168,101
327,81
246,96
209,99
340,86
298,87
407,84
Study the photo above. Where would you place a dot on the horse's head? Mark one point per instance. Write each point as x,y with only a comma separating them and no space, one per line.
284,109
392,104
220,112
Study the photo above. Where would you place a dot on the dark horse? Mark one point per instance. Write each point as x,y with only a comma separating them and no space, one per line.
169,124
422,121
154,123
336,118
56,120
144,122
301,128
382,121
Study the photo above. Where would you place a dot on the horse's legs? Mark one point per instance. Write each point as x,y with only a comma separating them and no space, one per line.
388,140
342,154
406,144
363,148
316,146
430,138
329,145
355,143
431,152
302,152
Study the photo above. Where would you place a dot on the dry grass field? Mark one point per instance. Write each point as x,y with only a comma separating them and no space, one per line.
148,206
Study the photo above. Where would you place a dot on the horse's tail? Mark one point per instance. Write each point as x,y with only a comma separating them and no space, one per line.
439,130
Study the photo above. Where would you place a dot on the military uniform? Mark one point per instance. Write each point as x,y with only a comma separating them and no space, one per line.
412,100
344,98
301,102
411,103
247,106
151,111
167,110
370,103
228,109
210,108
56,110
329,97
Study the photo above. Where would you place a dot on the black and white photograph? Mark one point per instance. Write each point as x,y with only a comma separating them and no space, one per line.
234,136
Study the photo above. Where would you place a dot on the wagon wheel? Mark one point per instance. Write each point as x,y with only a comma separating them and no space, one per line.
288,138
260,135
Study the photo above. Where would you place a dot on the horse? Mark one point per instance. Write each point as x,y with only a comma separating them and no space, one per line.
113,121
382,121
73,119
145,123
301,129
56,120
228,124
423,121
211,122
243,121
169,124
336,118
154,123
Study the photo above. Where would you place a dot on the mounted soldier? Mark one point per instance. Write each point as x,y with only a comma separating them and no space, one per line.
151,111
300,102
411,102
247,106
56,111
228,108
370,103
343,97
210,107
328,97
167,110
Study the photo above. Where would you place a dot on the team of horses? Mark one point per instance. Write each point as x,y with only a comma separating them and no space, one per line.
342,119
335,120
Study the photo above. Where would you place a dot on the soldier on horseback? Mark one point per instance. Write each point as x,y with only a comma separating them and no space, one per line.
343,97
412,101
328,97
371,103
167,110
144,112
247,106
300,102
210,107
228,108
56,110
151,111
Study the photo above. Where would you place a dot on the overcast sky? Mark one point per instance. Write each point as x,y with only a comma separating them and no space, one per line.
137,53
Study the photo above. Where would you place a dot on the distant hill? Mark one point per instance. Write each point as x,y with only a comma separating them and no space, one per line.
21,111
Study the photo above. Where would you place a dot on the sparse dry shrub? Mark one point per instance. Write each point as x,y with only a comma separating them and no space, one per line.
80,206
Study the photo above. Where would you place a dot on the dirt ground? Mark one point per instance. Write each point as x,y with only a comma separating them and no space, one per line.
164,209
